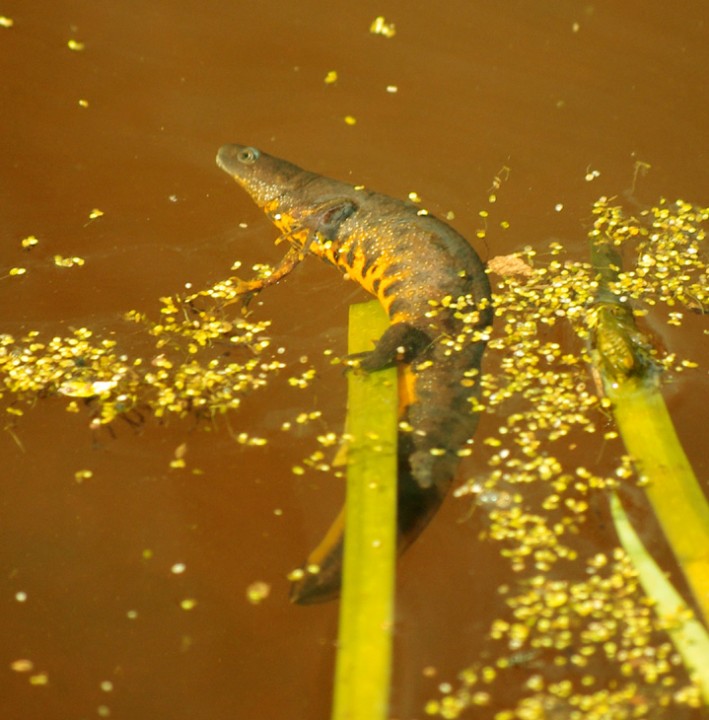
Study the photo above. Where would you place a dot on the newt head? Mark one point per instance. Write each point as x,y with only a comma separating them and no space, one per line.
263,176
293,198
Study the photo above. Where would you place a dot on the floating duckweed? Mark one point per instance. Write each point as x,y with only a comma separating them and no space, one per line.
295,575
68,262
605,620
257,592
39,679
29,242
328,439
671,267
567,612
380,26
306,417
22,665
303,380
117,385
316,461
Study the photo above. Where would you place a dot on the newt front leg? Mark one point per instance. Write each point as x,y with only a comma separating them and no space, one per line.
246,289
235,289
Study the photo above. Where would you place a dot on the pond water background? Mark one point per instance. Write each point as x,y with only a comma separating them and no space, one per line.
552,90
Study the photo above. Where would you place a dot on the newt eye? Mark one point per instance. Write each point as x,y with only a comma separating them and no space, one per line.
248,156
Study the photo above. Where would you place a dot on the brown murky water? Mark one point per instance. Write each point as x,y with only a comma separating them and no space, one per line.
552,90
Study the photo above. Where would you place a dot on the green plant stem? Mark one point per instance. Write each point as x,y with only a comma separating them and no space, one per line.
622,359
363,670
672,488
687,633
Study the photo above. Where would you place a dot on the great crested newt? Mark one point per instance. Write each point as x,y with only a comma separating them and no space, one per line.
435,291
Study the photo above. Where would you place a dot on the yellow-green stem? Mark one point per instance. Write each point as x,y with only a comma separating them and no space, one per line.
688,634
670,483
363,669
623,360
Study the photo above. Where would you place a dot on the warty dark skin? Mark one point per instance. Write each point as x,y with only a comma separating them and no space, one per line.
435,290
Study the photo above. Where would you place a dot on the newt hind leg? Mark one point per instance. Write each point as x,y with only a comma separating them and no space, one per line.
401,342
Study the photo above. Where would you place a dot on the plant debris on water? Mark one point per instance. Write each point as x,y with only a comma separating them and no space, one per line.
577,637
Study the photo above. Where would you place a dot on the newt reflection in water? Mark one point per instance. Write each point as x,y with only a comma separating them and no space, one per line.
434,288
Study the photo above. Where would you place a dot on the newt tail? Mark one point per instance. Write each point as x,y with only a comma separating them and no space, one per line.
435,290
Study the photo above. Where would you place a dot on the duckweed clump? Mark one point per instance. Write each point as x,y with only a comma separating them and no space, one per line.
193,367
579,638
